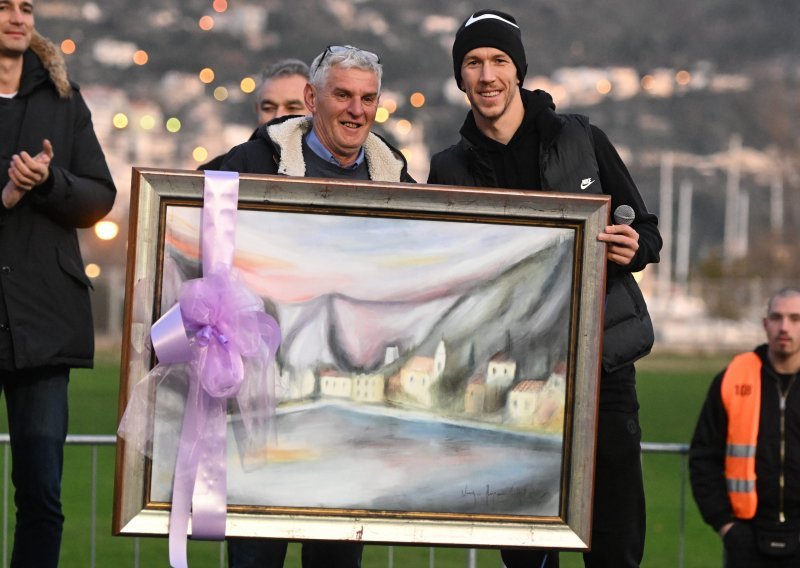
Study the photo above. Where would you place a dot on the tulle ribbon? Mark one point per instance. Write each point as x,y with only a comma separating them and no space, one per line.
219,328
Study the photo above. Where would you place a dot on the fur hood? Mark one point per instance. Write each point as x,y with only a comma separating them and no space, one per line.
383,161
53,62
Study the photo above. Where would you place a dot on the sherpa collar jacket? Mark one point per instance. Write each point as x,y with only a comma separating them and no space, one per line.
277,148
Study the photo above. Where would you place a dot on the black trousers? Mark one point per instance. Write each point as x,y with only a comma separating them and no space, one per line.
618,523
268,553
37,425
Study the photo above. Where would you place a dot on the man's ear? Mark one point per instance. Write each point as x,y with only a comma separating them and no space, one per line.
310,96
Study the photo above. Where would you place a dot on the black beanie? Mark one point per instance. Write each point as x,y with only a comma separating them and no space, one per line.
489,28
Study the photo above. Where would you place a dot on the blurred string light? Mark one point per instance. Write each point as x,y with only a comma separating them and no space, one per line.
417,99
248,85
106,230
220,5
389,104
406,154
140,57
603,86
206,75
200,154
147,122
648,82
120,120
173,125
403,127
221,93
92,270
206,23
68,47
683,77
382,115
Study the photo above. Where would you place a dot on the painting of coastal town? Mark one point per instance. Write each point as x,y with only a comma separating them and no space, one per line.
424,363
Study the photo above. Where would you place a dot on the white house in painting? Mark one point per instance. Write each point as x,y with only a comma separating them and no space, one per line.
500,371
335,384
523,400
420,374
540,402
368,388
392,354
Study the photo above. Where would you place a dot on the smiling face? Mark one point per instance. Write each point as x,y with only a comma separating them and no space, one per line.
343,110
16,27
280,96
489,78
782,325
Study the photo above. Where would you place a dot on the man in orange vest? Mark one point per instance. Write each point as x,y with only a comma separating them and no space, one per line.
745,455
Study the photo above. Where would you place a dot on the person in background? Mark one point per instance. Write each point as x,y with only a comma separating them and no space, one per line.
55,179
280,94
744,460
334,142
513,138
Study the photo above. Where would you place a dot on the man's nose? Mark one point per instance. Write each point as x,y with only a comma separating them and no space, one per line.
487,73
356,107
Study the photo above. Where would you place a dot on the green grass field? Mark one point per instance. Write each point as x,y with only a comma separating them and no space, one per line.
671,390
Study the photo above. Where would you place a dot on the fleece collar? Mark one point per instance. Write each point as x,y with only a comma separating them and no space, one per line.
383,163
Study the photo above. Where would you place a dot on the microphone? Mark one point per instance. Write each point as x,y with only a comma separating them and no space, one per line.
624,215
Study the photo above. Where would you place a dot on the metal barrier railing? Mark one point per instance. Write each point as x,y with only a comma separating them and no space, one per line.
95,441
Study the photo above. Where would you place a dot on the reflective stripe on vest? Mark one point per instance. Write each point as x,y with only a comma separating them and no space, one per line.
741,397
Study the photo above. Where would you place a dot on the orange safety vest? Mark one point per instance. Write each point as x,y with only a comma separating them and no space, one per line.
741,397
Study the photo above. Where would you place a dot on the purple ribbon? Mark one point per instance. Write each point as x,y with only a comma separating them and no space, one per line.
217,325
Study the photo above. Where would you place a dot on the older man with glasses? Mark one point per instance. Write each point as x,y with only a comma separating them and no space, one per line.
334,142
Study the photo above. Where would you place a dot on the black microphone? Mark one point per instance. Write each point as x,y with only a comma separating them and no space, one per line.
624,215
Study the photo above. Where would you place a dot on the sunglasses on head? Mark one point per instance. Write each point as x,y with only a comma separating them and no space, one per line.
340,49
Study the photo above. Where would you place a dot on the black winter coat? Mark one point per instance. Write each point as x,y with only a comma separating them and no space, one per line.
45,314
570,151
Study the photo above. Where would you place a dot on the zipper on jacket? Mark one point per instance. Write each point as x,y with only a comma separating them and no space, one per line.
782,480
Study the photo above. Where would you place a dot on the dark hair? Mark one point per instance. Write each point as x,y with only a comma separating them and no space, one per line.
782,293
285,68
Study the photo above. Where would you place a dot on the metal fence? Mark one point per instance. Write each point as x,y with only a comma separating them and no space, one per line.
96,441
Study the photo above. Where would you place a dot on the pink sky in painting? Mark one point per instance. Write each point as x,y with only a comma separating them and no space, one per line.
297,257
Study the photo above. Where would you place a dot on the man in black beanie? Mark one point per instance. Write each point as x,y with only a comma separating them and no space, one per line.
513,138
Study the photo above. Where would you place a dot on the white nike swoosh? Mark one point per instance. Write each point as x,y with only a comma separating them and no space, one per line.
472,19
585,183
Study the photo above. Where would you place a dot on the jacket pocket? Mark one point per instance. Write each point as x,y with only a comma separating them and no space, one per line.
627,329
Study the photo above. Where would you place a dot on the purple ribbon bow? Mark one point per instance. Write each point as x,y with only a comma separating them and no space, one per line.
217,326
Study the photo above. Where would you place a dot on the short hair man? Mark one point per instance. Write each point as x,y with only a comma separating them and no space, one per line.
280,94
55,179
334,142
744,460
281,90
512,138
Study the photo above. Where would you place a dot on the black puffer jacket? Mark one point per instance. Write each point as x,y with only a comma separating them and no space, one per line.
573,156
45,316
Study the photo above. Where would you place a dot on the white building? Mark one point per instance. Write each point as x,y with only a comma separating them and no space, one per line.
334,384
368,388
420,374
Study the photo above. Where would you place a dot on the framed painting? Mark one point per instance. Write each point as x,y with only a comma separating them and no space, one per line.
437,378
